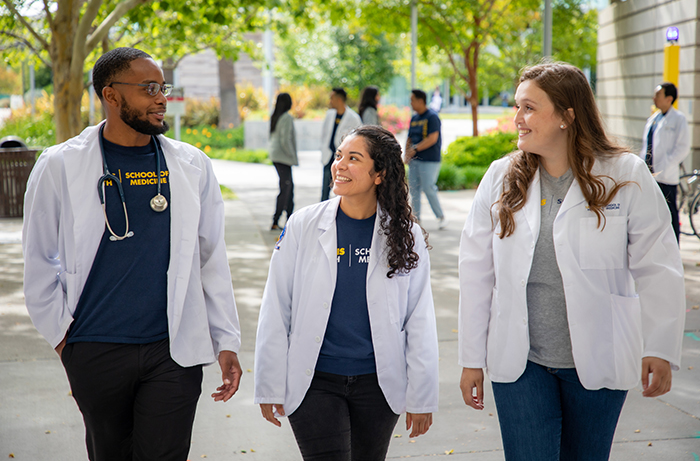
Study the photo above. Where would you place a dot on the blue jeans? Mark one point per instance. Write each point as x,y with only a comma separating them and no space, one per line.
547,415
422,176
343,418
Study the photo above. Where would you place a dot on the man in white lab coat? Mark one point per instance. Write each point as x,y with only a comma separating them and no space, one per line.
666,143
340,120
130,282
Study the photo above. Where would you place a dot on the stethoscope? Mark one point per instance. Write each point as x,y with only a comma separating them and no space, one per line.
158,202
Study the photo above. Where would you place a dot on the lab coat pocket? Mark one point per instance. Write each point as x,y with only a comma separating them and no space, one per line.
606,248
627,339
397,298
67,281
492,344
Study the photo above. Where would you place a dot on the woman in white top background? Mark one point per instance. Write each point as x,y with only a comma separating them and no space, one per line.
346,336
571,282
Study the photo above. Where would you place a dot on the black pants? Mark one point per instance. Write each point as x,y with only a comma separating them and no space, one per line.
285,199
327,179
137,403
670,195
343,418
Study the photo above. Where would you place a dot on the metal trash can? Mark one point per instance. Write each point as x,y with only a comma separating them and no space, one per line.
16,162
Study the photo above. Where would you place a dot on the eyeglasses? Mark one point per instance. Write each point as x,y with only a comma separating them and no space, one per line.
151,88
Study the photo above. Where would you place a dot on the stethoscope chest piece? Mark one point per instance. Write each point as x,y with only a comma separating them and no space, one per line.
159,203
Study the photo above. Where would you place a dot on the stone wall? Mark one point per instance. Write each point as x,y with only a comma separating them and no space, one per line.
631,40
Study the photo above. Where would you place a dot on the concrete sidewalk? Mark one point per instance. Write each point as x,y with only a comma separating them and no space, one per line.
40,421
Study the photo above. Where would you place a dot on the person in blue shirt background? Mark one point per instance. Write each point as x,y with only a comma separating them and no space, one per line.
423,156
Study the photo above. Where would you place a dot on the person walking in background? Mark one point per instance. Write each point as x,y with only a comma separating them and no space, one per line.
347,337
339,121
436,100
283,154
665,144
368,106
571,281
423,157
134,302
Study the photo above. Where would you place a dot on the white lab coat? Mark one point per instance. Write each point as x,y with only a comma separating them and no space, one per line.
349,122
623,285
64,223
296,307
671,145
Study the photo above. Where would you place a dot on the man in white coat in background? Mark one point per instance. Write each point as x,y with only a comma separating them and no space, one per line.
340,120
666,143
126,273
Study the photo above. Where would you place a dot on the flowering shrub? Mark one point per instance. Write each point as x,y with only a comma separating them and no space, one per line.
505,125
204,136
306,100
393,118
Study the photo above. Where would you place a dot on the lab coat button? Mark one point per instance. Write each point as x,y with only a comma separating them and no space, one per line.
325,305
318,339
522,282
308,372
524,321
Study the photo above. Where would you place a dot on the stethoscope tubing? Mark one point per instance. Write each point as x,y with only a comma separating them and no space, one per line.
107,175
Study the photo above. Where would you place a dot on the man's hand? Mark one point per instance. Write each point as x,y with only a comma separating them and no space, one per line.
660,370
230,375
268,412
473,378
409,153
421,422
61,345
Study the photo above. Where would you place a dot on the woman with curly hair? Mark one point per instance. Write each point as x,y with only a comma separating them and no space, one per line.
346,337
571,281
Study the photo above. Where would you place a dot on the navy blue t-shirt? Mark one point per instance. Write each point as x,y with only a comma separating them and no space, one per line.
347,348
421,126
125,297
333,147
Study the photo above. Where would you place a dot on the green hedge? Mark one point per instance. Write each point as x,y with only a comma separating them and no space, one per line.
36,131
467,159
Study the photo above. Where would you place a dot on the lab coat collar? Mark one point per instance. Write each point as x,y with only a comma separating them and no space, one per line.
532,205
329,240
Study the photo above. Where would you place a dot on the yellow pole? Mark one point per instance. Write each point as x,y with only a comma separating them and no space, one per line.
672,53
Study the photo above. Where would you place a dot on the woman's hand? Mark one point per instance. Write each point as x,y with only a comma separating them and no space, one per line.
473,378
660,370
421,422
268,412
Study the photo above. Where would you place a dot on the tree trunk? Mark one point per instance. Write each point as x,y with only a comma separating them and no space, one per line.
471,62
228,115
67,82
169,70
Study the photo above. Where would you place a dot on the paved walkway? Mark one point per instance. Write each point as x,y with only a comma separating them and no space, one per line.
40,421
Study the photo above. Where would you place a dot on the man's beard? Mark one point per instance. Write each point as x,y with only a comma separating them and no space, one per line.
131,117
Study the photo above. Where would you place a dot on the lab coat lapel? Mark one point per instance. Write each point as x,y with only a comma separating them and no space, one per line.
574,197
379,246
184,223
329,237
532,205
83,168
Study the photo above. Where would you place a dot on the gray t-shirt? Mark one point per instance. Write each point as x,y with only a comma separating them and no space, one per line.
550,342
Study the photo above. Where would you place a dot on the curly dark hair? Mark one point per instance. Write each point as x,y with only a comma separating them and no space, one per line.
392,195
113,63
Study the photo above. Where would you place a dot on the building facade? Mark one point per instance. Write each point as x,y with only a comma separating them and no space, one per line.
631,41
